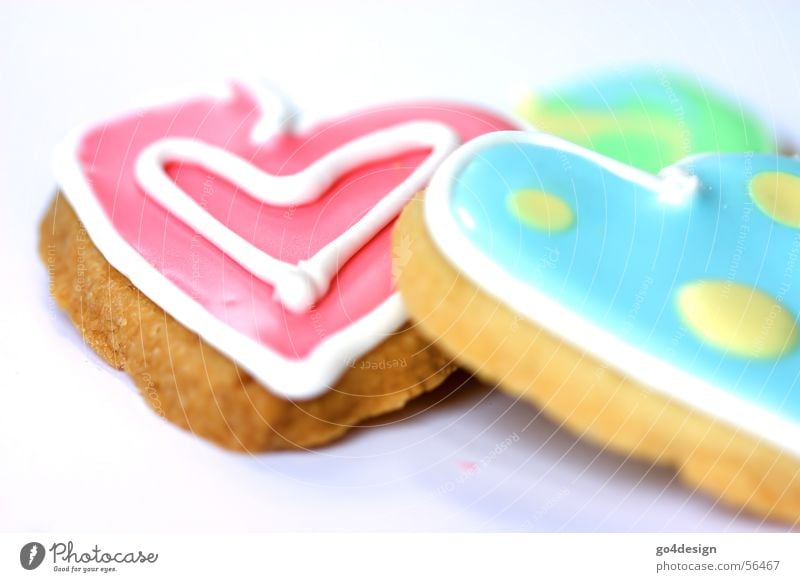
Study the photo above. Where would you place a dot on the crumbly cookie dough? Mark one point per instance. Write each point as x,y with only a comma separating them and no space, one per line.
591,399
194,386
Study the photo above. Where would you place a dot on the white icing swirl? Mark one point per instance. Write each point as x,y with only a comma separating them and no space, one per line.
298,286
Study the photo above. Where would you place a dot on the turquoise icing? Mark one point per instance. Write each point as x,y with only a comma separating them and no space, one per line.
622,263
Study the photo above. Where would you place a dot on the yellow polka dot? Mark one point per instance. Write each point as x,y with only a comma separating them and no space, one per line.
541,210
737,318
777,194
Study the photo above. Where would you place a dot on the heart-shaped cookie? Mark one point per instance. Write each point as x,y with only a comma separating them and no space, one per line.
268,239
655,313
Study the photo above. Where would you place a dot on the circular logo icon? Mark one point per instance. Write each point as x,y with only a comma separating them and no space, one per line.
31,555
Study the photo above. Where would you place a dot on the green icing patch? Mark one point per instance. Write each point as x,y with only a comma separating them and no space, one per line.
647,119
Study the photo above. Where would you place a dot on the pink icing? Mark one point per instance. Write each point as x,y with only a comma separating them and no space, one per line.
107,155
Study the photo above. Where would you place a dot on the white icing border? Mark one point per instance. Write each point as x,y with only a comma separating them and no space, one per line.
549,314
290,378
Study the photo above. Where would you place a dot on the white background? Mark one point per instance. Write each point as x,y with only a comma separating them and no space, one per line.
79,451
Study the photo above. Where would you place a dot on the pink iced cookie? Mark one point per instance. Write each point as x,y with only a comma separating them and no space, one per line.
269,240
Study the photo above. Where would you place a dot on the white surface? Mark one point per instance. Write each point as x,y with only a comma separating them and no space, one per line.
79,450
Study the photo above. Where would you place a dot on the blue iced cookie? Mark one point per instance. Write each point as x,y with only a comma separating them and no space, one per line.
654,313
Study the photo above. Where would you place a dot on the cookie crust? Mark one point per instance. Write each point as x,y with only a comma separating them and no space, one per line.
590,398
196,387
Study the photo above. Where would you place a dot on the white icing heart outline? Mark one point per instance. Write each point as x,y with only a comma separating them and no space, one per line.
673,186
297,286
300,378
